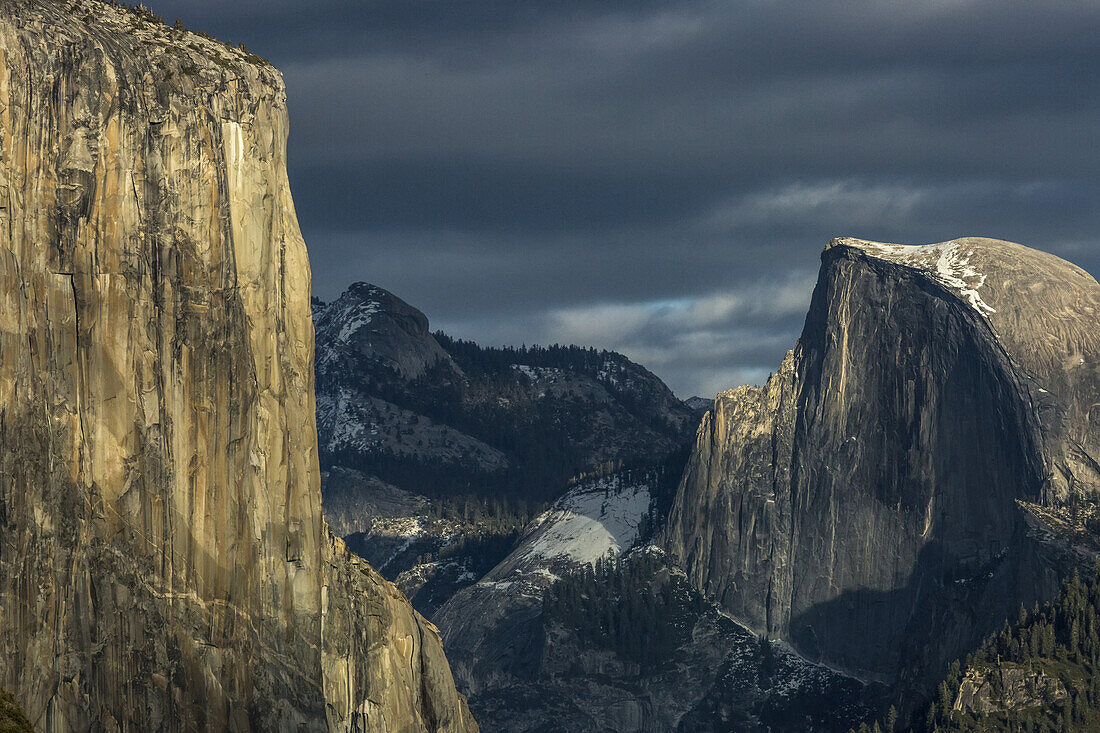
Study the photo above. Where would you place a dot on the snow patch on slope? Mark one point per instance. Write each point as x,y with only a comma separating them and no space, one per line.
948,263
338,322
355,320
348,418
594,520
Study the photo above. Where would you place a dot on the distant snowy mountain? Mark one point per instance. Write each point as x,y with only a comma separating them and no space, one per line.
699,404
437,452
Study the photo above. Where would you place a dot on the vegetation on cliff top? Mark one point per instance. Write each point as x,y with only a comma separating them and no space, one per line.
139,18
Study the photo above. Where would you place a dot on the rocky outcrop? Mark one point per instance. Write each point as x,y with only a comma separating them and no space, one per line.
383,667
878,492
370,329
164,562
353,502
1010,687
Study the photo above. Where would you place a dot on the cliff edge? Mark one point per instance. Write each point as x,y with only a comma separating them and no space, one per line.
164,561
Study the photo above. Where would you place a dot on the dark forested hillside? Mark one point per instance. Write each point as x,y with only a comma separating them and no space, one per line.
626,644
449,418
621,606
437,451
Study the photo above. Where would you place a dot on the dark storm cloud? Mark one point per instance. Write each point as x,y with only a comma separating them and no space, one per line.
477,195
659,177
326,28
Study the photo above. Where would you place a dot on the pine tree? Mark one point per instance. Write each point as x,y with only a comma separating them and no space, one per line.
891,719
946,698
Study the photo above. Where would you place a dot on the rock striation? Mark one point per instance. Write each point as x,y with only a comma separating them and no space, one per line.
878,502
164,561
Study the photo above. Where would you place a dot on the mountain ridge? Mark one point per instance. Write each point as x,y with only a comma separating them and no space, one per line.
461,444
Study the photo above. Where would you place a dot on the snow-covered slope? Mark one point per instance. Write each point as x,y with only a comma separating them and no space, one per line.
596,519
600,518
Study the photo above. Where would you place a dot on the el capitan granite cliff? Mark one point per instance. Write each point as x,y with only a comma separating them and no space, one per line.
164,561
902,484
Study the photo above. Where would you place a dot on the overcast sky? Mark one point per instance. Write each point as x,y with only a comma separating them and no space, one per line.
659,178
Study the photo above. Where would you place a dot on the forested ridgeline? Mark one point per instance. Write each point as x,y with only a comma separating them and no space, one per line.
635,607
478,359
553,413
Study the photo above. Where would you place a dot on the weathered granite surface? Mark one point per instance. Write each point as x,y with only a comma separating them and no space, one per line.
985,691
163,561
869,504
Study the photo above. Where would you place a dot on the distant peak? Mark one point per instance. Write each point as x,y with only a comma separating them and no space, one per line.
699,404
365,290
362,303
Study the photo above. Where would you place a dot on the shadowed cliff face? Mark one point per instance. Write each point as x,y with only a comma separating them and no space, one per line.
165,565
865,504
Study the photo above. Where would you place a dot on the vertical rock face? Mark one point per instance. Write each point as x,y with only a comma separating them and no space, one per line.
871,503
164,563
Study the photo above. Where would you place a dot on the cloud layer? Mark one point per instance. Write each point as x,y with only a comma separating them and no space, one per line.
659,177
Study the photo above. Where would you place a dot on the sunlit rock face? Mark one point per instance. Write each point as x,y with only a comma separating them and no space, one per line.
165,565
886,498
